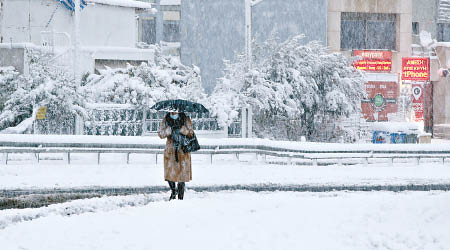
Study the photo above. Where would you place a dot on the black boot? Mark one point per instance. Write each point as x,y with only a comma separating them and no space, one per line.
173,195
180,190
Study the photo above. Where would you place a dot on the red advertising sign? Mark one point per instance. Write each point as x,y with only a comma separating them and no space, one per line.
373,60
381,100
373,54
417,101
416,68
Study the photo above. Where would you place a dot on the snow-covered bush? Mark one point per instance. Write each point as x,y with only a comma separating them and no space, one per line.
294,88
44,86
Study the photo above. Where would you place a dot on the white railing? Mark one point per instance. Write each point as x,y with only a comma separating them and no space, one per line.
127,120
52,40
305,155
200,122
113,119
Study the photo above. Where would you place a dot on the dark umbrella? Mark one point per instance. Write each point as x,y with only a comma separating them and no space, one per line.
180,106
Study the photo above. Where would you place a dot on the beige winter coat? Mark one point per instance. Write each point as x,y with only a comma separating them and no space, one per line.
176,171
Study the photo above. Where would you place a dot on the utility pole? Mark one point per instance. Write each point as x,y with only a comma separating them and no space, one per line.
76,42
248,30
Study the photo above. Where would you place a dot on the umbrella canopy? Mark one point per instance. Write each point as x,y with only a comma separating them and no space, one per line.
179,105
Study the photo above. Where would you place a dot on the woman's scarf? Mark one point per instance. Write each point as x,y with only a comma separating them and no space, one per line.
176,136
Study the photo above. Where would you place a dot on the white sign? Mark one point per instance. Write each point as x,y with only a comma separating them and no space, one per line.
417,92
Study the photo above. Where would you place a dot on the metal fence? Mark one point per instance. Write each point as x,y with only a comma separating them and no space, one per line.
200,122
301,155
114,119
127,120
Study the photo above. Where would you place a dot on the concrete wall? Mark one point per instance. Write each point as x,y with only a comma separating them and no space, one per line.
441,91
213,30
100,25
13,57
288,18
402,8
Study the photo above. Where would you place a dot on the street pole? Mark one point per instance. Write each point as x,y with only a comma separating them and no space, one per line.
76,42
248,33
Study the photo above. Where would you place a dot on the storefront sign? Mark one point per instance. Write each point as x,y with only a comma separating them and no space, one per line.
417,101
416,68
373,60
381,100
42,111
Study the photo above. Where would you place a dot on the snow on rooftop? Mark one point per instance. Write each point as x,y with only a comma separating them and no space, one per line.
124,3
442,44
170,2
396,127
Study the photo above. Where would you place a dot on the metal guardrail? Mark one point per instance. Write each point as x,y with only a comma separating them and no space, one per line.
303,156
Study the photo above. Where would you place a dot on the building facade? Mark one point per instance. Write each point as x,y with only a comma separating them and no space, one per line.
108,30
162,27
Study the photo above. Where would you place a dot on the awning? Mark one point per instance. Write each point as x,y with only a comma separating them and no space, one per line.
123,3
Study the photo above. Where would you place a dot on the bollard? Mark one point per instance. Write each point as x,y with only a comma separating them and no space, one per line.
5,158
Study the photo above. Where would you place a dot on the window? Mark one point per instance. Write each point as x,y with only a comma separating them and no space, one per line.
443,34
171,31
415,28
368,31
148,34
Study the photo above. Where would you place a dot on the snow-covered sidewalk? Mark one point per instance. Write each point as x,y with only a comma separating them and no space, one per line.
113,172
237,220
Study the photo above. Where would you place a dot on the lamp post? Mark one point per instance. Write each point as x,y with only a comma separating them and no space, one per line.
76,41
248,30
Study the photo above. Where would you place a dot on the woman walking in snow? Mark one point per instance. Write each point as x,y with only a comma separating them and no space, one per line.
177,164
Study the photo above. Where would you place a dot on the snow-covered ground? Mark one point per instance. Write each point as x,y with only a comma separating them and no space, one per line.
226,219
225,170
237,220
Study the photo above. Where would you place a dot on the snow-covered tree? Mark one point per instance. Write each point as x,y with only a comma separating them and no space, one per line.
142,86
43,86
227,97
294,88
146,84
7,87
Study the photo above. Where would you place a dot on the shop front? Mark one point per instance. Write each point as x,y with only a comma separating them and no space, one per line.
416,78
382,86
